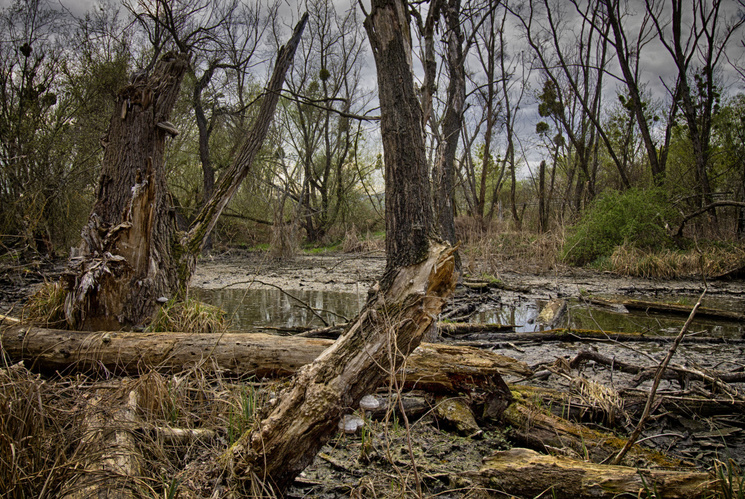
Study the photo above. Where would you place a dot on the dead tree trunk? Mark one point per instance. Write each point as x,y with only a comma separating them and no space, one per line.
418,279
132,254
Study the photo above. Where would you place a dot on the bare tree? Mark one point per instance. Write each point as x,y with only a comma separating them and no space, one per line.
696,37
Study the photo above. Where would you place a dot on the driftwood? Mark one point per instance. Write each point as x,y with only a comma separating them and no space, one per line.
576,407
673,372
526,473
552,313
670,308
436,367
535,427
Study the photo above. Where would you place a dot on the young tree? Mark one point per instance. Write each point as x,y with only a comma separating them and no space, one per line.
326,88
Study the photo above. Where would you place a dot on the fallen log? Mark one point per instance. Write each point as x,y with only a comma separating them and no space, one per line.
670,308
526,473
445,328
434,367
113,462
570,334
535,427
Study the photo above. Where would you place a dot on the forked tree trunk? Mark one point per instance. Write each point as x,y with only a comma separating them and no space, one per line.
133,257
418,279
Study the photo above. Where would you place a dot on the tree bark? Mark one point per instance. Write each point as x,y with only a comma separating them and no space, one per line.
408,228
451,128
434,367
526,473
128,262
133,255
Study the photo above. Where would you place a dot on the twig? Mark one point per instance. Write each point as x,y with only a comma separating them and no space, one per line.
656,383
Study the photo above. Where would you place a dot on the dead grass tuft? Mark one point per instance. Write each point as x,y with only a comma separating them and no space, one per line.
39,434
46,307
490,247
354,243
285,242
189,316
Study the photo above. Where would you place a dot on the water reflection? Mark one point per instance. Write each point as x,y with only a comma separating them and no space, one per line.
253,308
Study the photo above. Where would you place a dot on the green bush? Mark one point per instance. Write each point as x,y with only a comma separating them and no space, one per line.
637,217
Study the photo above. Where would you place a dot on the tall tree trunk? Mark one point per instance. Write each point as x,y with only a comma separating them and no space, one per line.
451,128
418,279
133,255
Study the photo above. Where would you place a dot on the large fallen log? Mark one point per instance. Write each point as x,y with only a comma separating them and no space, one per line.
434,367
534,426
526,473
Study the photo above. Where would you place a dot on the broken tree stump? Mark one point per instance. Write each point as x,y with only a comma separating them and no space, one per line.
372,349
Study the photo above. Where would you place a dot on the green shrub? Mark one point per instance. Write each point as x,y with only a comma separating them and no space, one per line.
637,217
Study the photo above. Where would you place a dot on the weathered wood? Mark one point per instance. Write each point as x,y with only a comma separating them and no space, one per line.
670,308
526,473
569,335
552,313
114,462
436,367
533,426
374,347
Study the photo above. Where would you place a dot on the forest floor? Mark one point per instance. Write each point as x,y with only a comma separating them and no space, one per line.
386,458
441,456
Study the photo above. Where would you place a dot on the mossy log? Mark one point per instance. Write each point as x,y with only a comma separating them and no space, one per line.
671,308
535,427
526,473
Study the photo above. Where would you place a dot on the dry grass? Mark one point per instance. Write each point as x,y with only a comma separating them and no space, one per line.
46,307
712,260
190,315
53,431
354,243
285,242
489,248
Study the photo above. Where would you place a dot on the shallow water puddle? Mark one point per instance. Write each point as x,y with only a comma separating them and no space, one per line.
256,308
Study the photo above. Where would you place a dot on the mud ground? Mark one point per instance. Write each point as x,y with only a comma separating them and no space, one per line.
441,456
386,459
